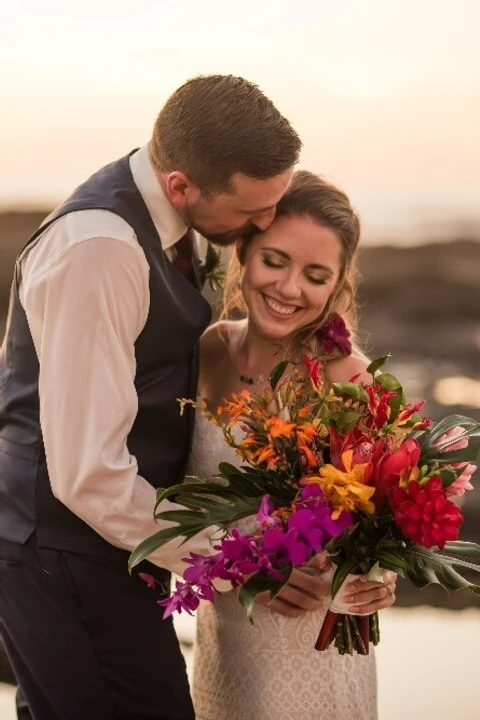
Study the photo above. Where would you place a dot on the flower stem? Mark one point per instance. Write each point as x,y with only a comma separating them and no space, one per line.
327,631
374,628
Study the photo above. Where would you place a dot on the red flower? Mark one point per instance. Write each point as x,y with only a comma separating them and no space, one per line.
334,335
424,514
390,466
378,404
365,449
314,368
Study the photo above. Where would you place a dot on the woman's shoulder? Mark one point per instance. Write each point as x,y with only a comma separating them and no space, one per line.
343,369
219,336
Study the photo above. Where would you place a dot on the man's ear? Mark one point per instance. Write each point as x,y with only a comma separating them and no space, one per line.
180,190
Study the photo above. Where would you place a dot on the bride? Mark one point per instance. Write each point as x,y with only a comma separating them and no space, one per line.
294,284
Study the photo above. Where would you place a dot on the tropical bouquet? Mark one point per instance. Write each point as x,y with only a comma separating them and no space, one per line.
353,471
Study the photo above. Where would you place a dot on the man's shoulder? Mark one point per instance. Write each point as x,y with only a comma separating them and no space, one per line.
69,231
95,223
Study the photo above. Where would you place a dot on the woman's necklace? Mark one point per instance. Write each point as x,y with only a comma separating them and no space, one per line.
246,380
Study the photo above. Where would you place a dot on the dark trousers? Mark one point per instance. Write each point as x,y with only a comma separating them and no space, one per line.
86,640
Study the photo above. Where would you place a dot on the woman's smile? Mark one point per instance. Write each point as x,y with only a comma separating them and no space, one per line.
277,307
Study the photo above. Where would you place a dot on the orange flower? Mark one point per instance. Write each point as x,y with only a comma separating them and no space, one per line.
280,428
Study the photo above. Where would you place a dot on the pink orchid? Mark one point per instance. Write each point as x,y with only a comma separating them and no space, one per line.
455,432
462,483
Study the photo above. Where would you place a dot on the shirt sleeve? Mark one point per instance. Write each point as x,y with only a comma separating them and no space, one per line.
85,307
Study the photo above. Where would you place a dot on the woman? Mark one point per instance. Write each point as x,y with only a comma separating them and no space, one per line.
290,282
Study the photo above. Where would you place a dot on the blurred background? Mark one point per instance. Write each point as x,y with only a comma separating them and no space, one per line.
386,97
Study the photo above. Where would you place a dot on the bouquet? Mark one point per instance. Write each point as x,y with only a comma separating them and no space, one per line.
354,472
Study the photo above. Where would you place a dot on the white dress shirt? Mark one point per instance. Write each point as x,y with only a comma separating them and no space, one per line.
85,292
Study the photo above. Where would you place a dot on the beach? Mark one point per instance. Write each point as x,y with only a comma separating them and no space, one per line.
426,664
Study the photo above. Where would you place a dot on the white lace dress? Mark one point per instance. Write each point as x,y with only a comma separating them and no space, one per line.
269,670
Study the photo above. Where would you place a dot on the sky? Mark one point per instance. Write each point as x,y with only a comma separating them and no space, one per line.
384,93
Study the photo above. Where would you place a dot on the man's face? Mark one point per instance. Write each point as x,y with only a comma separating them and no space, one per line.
250,206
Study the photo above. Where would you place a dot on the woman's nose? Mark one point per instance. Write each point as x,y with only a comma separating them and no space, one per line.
290,286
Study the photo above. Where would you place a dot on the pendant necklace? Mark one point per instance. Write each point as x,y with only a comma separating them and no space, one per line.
246,380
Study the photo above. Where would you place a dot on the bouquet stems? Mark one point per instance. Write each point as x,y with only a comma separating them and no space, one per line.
350,633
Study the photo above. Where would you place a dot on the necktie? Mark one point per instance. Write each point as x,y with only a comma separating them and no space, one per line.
184,253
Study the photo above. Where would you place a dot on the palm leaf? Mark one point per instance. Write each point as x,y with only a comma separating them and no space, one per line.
258,583
431,567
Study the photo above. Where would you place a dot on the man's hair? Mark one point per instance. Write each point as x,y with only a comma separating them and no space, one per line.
217,125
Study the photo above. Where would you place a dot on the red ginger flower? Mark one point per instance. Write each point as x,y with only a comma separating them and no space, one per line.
424,514
390,467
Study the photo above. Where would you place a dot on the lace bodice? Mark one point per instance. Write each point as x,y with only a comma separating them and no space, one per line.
268,670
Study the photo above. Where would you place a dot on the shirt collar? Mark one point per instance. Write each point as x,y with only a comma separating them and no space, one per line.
168,223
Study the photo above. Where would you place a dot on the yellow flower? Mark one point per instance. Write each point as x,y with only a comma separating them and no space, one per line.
346,490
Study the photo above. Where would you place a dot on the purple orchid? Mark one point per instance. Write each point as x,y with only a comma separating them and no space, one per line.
265,513
184,598
284,548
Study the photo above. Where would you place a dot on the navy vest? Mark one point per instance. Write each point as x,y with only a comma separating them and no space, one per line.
166,357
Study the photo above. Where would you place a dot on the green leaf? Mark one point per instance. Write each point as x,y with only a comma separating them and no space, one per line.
350,390
389,381
462,547
391,559
152,543
345,420
377,364
341,573
259,583
448,476
277,372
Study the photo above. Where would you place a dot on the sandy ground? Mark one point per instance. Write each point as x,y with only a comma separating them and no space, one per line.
427,665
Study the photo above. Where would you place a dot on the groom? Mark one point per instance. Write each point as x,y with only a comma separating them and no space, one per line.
104,318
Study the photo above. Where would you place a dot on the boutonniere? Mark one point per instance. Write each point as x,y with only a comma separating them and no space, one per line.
211,269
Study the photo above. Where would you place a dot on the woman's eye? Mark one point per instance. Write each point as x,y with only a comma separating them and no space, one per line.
271,263
316,280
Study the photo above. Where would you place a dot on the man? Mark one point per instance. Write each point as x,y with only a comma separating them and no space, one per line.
104,319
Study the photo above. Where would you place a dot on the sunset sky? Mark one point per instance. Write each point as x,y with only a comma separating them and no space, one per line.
384,93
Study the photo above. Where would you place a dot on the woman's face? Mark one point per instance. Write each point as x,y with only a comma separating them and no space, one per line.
289,273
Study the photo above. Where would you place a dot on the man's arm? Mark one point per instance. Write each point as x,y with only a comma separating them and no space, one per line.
86,305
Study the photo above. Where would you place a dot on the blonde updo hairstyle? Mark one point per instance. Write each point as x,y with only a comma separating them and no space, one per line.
312,196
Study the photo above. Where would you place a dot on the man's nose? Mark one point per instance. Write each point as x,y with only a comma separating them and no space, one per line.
264,219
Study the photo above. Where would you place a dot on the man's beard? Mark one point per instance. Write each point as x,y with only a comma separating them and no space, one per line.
227,238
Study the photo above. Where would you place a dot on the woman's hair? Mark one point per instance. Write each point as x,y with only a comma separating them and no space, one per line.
310,195
217,125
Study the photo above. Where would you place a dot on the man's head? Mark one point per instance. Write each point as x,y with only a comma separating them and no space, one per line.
224,155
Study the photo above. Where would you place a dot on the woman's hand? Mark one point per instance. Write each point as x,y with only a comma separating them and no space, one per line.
360,596
305,591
